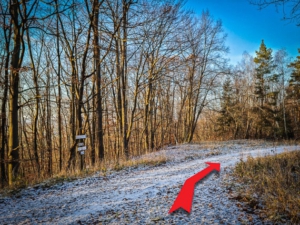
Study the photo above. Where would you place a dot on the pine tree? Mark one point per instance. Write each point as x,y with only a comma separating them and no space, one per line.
294,83
225,120
265,93
265,63
293,95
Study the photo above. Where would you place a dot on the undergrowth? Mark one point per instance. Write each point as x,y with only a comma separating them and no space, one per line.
70,175
275,181
143,161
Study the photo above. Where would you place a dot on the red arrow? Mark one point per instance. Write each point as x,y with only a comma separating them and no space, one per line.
185,197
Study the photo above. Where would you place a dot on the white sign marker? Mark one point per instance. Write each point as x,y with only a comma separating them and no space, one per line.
81,136
82,153
82,148
80,144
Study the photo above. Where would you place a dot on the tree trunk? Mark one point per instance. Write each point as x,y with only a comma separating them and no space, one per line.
98,80
59,89
36,113
3,147
13,123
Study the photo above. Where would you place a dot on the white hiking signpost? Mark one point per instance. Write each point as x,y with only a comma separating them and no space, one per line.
83,136
81,148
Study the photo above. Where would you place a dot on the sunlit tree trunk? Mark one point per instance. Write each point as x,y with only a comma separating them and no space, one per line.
3,149
95,24
16,62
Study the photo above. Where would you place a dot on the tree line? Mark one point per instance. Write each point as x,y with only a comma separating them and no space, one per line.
131,75
259,99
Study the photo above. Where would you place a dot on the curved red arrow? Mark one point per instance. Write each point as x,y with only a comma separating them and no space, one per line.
185,197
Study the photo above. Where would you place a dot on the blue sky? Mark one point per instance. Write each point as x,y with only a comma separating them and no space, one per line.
246,26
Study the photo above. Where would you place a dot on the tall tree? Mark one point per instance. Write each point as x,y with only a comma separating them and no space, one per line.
18,23
7,32
282,60
265,94
98,77
295,76
204,64
293,95
59,105
226,120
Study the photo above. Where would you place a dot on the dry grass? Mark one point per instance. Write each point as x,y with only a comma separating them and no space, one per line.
275,181
146,161
102,169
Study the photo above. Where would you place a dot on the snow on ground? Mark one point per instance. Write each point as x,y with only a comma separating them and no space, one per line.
145,194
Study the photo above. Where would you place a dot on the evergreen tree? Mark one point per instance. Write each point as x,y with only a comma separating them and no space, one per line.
294,83
265,92
265,66
293,95
225,120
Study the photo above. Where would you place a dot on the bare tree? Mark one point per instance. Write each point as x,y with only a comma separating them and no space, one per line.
290,8
282,60
6,36
19,22
204,64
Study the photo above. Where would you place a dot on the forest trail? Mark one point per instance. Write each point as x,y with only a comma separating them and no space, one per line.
144,194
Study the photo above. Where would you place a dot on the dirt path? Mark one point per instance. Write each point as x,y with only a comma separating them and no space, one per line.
141,195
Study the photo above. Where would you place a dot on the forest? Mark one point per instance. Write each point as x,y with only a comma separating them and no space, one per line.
133,76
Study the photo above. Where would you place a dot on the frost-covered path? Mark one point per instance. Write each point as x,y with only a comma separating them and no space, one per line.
141,195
